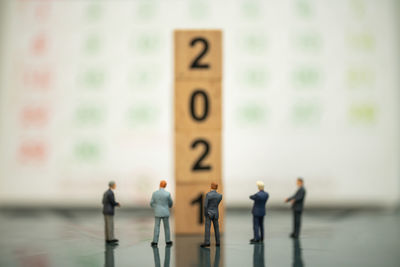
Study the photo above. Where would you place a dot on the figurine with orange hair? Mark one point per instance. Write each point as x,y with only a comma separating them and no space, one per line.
161,202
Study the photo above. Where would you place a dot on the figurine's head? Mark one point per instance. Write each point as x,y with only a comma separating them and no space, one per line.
112,185
260,185
300,182
163,184
214,186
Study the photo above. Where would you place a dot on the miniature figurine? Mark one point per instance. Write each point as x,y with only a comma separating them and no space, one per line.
297,201
109,205
258,211
213,198
161,202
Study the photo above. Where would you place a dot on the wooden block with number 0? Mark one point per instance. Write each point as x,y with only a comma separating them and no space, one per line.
189,218
198,54
198,105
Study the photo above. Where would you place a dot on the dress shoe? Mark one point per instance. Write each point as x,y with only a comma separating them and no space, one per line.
217,244
204,245
169,243
253,241
113,241
294,236
153,244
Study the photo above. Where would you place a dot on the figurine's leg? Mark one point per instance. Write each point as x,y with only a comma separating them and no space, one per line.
156,229
294,223
216,230
256,227
166,229
207,230
112,228
297,223
106,235
262,227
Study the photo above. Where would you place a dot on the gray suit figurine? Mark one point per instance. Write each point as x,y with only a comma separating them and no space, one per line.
161,202
213,198
109,205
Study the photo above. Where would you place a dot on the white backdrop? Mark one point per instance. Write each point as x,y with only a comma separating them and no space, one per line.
310,88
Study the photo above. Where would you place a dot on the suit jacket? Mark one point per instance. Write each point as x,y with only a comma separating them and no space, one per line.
213,198
260,199
298,198
161,202
109,202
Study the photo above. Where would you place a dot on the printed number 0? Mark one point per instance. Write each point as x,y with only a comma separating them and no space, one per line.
198,166
196,62
202,94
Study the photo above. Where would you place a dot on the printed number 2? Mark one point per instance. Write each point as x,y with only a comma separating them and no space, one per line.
199,200
198,166
196,62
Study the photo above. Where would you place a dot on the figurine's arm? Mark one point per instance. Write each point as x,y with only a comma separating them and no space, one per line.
170,201
206,206
253,197
111,198
152,201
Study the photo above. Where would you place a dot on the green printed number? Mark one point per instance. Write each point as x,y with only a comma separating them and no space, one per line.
362,114
87,151
306,77
93,78
306,114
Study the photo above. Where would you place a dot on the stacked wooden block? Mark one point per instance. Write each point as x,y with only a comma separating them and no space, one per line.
198,123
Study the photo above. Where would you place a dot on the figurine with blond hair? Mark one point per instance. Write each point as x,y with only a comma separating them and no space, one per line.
161,202
258,211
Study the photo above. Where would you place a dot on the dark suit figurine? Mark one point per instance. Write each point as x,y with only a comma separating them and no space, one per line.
297,201
260,199
109,205
213,198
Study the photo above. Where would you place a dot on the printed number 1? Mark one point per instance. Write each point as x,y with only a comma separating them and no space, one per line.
199,200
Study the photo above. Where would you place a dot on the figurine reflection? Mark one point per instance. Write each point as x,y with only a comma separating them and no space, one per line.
297,259
109,255
258,255
205,257
167,257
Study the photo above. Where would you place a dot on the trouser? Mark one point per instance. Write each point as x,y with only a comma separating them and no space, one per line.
109,227
296,222
157,229
258,227
207,229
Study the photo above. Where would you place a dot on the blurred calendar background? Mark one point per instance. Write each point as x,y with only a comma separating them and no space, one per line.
311,88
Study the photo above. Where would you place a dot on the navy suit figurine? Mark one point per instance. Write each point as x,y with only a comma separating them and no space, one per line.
258,211
297,201
213,198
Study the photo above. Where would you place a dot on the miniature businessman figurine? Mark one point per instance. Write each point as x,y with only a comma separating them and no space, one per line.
213,198
297,201
109,205
260,199
161,202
